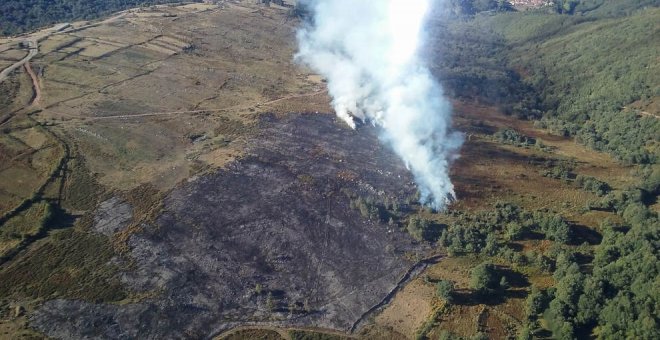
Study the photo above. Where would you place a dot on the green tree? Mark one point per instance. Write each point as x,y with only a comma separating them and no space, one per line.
514,231
419,228
535,303
484,279
491,248
554,227
445,290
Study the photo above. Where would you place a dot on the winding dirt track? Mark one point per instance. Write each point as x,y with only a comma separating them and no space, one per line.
284,332
167,113
33,42
34,49
648,114
412,272
35,85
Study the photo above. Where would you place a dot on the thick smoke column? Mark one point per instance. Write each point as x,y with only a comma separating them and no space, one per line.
368,51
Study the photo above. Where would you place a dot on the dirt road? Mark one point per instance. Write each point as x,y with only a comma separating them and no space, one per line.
167,113
34,49
284,332
35,85
33,42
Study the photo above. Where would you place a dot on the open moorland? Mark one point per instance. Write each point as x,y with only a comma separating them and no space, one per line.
170,171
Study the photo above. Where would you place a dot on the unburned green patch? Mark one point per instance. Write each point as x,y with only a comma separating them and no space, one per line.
26,224
81,190
69,264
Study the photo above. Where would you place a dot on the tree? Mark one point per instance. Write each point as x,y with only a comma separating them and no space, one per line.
535,303
491,248
419,228
590,302
514,231
566,6
484,279
554,227
480,336
21,16
565,331
300,10
445,290
484,5
564,307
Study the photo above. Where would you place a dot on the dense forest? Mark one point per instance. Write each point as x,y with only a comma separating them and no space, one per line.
587,68
25,15
583,69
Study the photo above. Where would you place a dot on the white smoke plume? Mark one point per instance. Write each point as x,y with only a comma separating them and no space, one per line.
369,52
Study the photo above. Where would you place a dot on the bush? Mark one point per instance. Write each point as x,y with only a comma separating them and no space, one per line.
592,184
514,231
484,279
422,229
554,227
513,137
445,290
535,303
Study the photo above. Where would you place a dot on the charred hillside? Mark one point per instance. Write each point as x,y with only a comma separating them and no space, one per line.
272,239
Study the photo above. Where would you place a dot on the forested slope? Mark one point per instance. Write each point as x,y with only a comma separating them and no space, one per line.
589,70
18,16
586,69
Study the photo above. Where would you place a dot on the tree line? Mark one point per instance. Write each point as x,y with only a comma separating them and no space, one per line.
26,15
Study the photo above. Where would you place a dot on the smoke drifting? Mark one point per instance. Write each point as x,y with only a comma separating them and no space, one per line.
368,51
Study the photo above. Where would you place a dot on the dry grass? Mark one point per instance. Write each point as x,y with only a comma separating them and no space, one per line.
409,311
489,172
15,93
238,66
13,55
31,137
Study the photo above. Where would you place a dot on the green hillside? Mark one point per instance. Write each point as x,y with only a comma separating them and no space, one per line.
590,70
586,70
592,74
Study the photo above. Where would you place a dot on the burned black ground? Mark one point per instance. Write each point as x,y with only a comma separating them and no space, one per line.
269,239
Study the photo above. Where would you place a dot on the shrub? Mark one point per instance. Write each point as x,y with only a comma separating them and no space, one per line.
484,279
445,290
